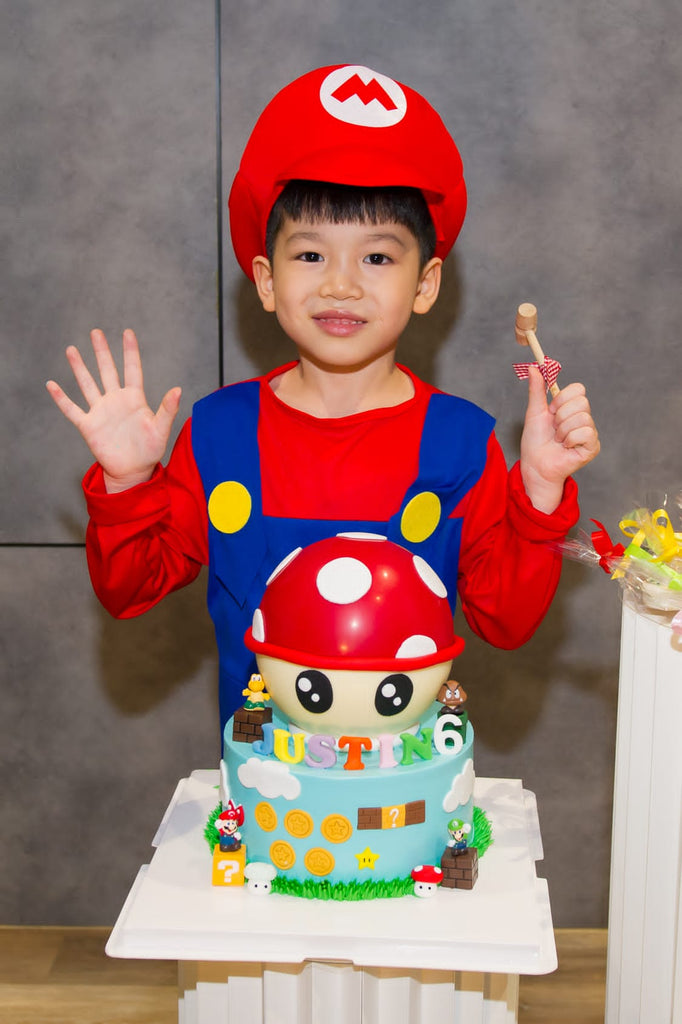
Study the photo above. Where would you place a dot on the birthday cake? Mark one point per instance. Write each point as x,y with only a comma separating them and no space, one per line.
349,769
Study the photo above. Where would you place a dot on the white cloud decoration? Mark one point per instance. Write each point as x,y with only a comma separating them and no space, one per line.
270,778
462,788
224,784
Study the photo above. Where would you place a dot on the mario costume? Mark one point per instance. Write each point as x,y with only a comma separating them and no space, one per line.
250,478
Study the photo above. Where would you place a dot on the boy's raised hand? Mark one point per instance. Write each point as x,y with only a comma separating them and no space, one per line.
125,436
557,440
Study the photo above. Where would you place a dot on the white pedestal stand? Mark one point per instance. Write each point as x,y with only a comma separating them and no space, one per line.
246,959
644,969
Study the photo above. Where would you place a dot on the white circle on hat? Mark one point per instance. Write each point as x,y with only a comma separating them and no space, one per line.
357,95
344,580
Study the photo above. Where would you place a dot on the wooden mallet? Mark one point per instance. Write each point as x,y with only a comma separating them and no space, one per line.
526,324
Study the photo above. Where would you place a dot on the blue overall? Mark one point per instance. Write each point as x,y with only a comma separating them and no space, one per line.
452,457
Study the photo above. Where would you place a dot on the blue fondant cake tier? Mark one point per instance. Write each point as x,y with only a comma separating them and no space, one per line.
353,820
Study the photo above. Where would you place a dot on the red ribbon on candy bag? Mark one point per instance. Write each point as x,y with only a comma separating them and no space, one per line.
605,548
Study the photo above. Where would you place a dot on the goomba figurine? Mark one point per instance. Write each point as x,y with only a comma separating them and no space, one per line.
354,635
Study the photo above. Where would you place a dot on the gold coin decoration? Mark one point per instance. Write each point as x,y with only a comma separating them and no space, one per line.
336,828
266,816
298,824
318,861
282,855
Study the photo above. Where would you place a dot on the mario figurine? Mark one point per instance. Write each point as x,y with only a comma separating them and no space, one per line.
228,824
373,647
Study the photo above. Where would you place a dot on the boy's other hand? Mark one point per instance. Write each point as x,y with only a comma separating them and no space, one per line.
125,436
557,440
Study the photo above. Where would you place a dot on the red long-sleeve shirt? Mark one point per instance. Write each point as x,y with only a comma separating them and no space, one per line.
152,539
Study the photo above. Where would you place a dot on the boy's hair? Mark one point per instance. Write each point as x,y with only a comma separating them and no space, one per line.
353,204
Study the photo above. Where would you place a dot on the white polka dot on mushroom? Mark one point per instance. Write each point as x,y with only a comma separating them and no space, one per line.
258,626
359,535
429,576
282,565
344,580
416,646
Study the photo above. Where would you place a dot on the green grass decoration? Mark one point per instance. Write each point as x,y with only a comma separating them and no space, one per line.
343,891
211,833
348,891
482,831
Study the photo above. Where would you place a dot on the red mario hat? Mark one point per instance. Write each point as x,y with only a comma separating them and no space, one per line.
349,125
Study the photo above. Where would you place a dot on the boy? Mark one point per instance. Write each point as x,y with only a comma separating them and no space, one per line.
348,198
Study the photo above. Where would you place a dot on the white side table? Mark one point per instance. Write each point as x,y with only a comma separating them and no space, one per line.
644,963
454,957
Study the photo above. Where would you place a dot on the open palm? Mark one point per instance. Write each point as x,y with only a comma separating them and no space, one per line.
125,436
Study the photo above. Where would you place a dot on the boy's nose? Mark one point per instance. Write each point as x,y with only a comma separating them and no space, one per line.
341,281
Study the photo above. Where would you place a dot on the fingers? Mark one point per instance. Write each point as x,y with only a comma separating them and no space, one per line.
573,423
568,394
167,411
73,412
537,392
105,361
132,363
108,371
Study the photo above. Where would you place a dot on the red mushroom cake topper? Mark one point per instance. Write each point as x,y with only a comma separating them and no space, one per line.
355,602
354,634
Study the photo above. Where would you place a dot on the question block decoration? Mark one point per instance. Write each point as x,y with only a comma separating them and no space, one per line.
228,866
398,816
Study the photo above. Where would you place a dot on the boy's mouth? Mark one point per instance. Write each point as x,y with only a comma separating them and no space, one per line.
338,322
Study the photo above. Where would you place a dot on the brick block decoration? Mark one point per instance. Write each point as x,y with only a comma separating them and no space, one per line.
248,725
461,871
413,813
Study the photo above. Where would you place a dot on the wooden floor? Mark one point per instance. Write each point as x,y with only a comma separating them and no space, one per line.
62,976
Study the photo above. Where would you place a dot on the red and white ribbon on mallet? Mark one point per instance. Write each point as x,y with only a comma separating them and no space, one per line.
526,324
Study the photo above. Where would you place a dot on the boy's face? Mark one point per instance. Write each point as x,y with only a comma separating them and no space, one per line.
344,292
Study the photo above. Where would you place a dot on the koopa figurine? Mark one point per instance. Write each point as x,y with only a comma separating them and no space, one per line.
354,635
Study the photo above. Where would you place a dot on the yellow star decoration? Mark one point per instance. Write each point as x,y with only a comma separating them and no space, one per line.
367,859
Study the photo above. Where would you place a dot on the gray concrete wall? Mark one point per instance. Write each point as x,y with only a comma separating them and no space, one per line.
568,119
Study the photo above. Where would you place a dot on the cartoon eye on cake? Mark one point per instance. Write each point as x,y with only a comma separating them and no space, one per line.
354,635
393,694
314,691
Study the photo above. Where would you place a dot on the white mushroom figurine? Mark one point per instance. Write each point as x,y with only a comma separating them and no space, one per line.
259,875
427,878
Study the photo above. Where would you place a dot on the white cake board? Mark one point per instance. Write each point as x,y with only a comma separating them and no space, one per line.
644,962
281,960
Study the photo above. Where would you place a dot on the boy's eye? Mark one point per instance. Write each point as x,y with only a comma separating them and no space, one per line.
377,259
309,257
